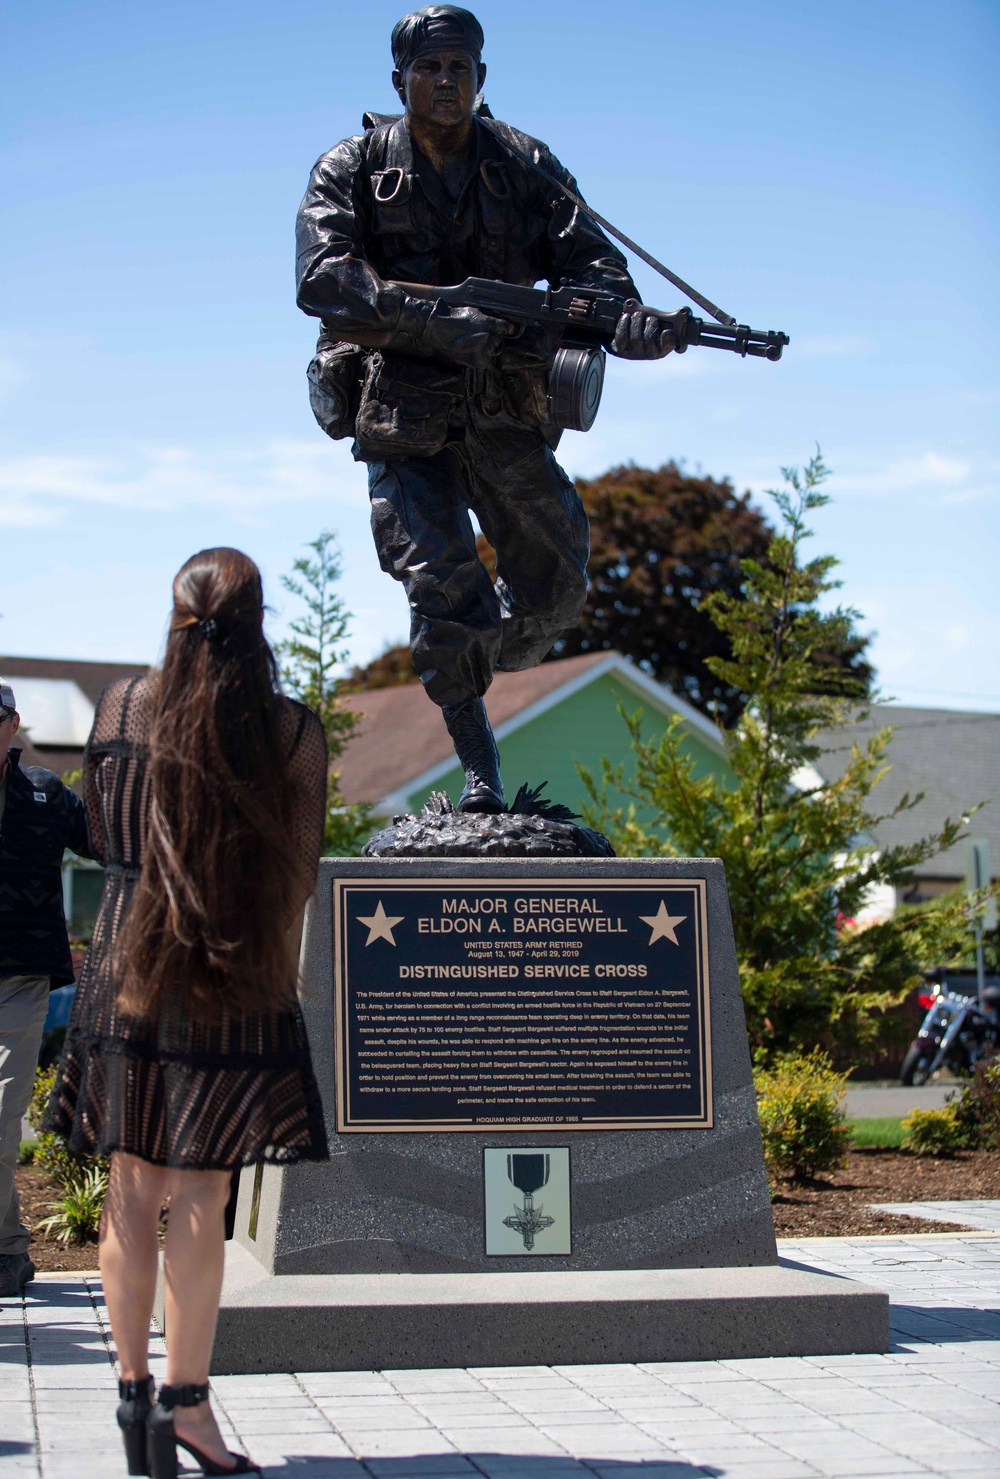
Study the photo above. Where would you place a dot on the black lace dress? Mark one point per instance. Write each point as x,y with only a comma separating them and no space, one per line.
174,1092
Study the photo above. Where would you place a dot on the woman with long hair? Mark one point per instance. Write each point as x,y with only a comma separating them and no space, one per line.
186,1056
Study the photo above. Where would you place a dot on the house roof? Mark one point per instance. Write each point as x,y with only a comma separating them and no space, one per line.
952,756
56,699
54,711
402,744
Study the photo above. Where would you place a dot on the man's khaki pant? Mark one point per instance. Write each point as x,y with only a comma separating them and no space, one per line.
24,1001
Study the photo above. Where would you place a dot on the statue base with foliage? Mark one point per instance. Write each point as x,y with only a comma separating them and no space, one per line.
531,828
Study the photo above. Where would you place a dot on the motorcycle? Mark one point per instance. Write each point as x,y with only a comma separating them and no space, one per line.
958,1030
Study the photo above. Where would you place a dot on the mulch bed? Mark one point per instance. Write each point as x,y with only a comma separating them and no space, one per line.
834,1206
837,1206
37,1192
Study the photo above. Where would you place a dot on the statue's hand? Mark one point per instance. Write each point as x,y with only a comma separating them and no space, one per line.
644,335
463,335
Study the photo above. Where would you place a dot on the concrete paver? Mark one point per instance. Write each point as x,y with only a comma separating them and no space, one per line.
930,1407
984,1214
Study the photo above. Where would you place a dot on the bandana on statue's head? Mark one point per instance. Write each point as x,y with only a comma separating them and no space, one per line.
436,28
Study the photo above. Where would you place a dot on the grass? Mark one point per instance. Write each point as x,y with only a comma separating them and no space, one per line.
886,1133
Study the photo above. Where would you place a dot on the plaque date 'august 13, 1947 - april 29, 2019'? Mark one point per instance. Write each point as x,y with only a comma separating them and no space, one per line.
522,1005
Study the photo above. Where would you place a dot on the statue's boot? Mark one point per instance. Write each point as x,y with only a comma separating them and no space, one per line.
477,750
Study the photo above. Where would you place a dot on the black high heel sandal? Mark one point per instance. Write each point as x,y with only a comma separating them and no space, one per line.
134,1407
162,1439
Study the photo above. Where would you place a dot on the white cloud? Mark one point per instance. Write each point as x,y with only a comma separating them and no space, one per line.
931,470
960,496
694,364
39,488
832,346
931,651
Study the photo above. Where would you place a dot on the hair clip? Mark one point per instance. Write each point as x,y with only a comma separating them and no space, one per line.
209,628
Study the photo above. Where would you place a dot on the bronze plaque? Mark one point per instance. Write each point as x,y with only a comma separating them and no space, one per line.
506,1005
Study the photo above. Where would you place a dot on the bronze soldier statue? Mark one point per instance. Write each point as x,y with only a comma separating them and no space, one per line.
447,406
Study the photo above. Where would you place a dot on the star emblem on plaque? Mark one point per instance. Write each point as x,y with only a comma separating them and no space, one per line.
380,925
663,924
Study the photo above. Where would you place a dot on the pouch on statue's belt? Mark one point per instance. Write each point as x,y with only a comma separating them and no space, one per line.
335,377
525,395
406,407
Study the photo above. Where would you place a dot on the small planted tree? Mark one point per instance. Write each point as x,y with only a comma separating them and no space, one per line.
310,660
797,849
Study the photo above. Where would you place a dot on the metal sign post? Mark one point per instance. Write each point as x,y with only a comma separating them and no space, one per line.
977,876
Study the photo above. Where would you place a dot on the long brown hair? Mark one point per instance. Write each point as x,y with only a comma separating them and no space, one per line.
208,929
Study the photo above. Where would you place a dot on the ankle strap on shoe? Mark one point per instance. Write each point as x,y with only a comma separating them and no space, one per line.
188,1396
128,1391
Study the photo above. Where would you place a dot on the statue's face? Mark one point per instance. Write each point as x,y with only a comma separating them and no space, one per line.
440,87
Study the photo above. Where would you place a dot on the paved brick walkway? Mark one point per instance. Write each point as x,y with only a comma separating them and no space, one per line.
930,1407
984,1215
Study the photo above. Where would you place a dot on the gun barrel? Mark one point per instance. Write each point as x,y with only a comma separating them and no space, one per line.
739,338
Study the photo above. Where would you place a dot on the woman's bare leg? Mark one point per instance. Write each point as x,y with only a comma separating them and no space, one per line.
128,1255
193,1258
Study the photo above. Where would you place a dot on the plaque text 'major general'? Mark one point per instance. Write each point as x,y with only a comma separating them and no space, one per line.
521,1006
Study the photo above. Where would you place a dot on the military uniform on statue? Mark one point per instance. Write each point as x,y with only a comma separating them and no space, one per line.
449,409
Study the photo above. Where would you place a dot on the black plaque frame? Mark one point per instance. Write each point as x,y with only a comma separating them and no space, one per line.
348,1122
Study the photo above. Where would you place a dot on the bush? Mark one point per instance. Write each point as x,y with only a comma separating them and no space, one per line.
67,1167
76,1216
800,1102
82,1180
935,1132
977,1108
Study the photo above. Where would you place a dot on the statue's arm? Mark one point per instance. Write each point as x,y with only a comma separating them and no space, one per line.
335,281
338,284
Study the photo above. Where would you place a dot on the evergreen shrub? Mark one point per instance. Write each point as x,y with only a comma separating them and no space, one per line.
934,1132
803,1124
977,1108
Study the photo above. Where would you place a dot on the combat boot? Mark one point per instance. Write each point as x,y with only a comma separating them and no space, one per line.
477,750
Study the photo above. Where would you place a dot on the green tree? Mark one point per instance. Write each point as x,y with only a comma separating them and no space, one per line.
662,543
797,849
309,661
392,666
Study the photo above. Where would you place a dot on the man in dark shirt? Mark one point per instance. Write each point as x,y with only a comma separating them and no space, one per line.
39,819
453,413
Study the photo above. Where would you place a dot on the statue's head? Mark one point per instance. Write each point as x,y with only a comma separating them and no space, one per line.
438,55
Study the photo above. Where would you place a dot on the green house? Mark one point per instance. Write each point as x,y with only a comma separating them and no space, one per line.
547,721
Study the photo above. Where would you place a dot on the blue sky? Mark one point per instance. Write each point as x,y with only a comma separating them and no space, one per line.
827,170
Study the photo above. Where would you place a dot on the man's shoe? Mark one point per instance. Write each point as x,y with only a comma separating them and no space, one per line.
16,1270
477,750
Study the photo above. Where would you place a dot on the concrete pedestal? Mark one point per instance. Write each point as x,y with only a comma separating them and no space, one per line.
352,1322
377,1258
413,1203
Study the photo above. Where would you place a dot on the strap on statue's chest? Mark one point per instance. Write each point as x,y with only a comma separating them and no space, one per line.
393,180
